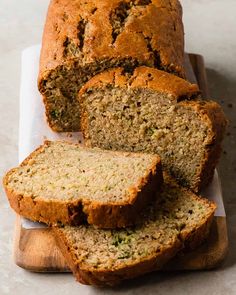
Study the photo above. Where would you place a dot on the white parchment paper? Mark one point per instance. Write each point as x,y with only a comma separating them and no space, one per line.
33,128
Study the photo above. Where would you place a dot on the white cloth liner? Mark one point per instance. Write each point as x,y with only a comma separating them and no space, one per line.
33,128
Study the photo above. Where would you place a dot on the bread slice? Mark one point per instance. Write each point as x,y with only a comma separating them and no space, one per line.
156,112
84,37
63,183
99,257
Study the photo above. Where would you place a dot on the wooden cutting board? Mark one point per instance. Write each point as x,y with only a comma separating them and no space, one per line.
36,250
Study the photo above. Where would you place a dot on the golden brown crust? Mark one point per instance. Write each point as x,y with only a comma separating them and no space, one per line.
188,239
154,31
144,77
74,212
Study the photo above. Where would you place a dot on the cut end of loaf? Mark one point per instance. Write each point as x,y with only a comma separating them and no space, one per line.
60,87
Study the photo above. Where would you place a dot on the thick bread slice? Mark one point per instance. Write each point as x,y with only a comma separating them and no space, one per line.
84,37
63,183
156,112
179,219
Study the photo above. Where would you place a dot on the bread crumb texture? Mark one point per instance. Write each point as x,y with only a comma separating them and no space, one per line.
155,112
64,171
174,218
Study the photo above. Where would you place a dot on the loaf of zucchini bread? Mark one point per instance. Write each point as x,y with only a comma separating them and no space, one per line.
63,183
84,37
156,112
178,219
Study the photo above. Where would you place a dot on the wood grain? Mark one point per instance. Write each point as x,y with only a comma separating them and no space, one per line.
36,250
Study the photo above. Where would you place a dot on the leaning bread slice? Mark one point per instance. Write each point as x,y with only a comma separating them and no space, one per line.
156,112
63,183
178,219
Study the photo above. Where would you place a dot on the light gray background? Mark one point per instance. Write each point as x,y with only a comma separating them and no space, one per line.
210,27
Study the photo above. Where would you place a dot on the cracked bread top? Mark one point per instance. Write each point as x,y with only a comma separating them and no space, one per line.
147,31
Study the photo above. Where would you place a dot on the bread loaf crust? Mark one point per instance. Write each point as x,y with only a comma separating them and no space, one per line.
180,92
145,77
87,37
75,212
158,20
